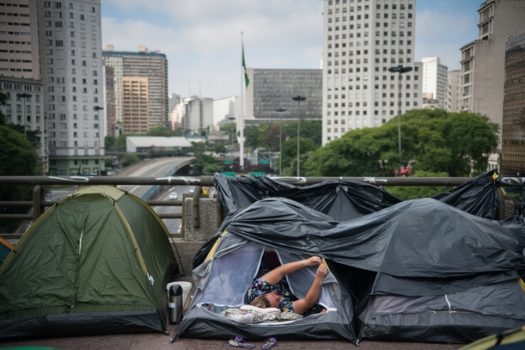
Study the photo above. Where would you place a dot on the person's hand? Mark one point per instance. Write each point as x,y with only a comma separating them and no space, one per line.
312,261
322,272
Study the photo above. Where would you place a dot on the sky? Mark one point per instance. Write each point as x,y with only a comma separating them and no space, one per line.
202,38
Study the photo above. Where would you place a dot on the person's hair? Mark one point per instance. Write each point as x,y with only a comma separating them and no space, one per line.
261,301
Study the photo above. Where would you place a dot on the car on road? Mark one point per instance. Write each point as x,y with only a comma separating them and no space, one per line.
173,195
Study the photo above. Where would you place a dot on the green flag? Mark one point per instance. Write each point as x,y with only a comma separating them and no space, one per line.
246,79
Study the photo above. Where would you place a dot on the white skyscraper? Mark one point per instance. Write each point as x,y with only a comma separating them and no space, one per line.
71,56
362,40
434,83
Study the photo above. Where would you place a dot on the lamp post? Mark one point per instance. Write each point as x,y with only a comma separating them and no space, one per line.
24,96
280,110
299,99
400,69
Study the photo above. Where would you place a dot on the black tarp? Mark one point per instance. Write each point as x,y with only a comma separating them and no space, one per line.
418,248
478,196
380,248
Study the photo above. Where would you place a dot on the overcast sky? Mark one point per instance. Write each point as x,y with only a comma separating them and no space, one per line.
202,38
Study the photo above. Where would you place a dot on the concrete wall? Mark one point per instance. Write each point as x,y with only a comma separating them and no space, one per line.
199,224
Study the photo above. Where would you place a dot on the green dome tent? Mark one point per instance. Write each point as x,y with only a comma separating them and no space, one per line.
95,263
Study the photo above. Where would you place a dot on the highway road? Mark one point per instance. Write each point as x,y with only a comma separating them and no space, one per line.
158,167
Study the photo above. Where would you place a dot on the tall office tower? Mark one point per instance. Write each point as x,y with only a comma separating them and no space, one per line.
513,130
434,83
153,67
362,40
454,91
70,50
482,60
20,76
274,89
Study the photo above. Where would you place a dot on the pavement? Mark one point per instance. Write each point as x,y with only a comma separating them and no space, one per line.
162,341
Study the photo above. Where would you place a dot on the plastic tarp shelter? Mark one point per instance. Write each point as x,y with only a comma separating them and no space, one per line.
418,270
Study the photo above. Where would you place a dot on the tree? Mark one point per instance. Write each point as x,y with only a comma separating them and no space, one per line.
18,156
457,144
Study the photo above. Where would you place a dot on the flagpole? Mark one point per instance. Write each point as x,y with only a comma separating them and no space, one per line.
241,118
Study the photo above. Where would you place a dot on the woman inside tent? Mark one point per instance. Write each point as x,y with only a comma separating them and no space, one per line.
271,289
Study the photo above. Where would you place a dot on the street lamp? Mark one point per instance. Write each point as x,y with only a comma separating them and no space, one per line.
400,69
24,96
299,99
280,110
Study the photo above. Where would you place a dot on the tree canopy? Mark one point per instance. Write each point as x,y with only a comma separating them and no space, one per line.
457,144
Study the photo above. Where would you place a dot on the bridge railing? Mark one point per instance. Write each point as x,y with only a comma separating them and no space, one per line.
38,204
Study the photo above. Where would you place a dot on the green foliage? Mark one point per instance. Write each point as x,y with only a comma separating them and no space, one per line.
130,159
160,131
17,157
204,164
456,144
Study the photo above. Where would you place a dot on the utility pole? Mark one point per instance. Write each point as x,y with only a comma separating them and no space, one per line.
299,99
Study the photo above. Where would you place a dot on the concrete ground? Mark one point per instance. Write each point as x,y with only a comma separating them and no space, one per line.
160,342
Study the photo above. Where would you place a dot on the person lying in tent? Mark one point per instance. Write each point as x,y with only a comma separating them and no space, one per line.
271,289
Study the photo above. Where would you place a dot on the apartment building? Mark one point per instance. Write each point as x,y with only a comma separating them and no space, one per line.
363,41
70,51
152,66
513,129
482,60
454,90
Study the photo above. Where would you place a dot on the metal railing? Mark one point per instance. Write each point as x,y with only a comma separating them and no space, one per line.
38,203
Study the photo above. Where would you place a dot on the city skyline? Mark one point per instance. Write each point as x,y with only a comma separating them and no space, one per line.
203,42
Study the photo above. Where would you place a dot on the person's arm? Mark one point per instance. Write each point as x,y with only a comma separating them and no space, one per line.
314,292
277,274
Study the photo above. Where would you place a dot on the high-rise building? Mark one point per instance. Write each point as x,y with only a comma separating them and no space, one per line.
362,40
225,110
273,89
434,82
70,51
513,130
483,59
198,114
135,94
19,56
111,113
153,67
454,91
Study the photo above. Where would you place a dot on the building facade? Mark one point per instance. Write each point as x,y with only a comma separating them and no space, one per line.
198,114
19,52
454,91
482,60
225,110
434,82
273,89
153,67
70,51
362,41
513,128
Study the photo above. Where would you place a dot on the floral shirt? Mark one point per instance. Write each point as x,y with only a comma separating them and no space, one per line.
260,287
